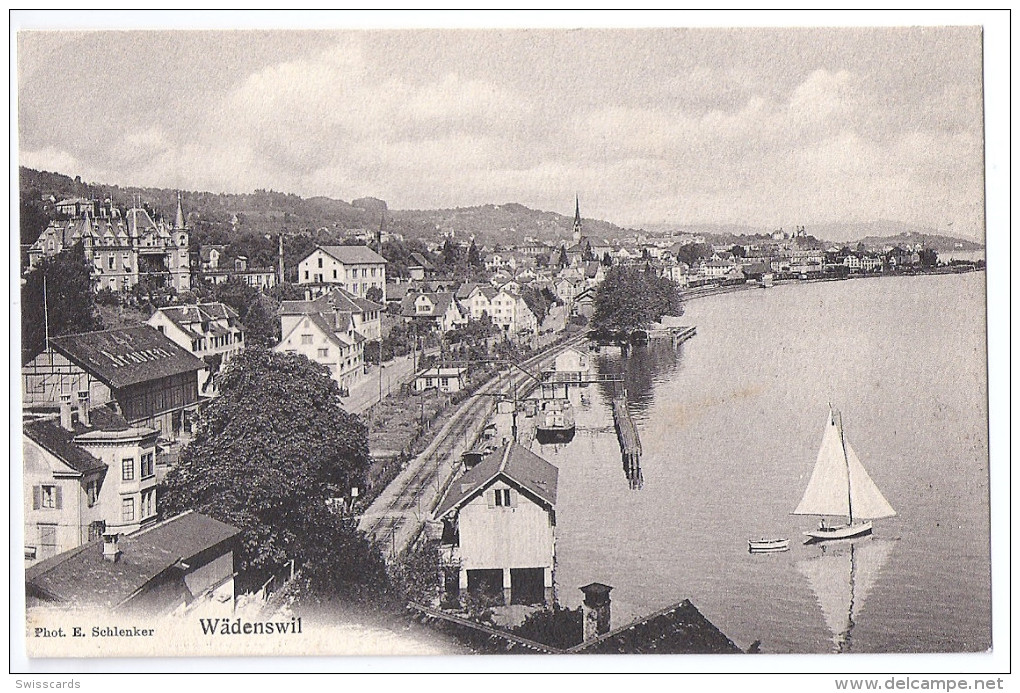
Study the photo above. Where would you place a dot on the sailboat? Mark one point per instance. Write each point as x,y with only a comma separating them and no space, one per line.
840,486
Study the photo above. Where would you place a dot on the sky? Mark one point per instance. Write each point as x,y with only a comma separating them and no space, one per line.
766,127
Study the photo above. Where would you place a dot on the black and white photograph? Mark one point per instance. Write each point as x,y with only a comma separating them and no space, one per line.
594,336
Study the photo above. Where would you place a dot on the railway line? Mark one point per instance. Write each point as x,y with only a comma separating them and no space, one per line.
397,515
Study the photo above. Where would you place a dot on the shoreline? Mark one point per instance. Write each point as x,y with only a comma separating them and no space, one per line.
692,294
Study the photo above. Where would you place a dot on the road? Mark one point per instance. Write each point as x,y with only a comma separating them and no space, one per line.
394,374
396,516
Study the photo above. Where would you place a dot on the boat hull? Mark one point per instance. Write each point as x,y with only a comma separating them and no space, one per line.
839,532
554,435
767,545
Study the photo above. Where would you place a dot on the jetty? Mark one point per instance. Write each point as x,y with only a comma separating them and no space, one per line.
630,442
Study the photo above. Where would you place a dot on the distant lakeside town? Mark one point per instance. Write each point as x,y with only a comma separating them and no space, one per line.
372,386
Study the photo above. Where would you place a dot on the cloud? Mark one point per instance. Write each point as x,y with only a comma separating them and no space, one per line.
725,141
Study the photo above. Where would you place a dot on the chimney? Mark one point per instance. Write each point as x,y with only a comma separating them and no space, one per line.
110,551
65,412
595,610
83,407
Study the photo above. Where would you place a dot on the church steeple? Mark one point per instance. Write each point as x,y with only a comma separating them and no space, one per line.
577,219
179,221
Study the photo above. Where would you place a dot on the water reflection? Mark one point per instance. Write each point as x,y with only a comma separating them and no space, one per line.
842,575
642,366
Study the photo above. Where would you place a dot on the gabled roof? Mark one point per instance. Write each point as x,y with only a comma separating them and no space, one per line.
440,304
351,254
516,465
126,356
185,316
84,578
60,442
422,260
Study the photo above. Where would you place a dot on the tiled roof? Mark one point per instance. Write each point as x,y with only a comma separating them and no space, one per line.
127,356
517,466
677,629
353,254
60,442
84,578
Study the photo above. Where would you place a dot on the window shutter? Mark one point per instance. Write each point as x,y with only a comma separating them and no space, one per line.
36,497
513,498
490,497
58,501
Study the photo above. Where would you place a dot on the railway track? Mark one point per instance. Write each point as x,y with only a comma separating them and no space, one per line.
400,511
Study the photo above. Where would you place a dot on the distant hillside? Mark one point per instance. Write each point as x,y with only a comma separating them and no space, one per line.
507,223
873,234
224,217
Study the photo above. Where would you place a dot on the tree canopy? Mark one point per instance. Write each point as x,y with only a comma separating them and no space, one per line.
70,304
630,298
269,454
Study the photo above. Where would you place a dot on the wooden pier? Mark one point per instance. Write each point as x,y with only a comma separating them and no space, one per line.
630,442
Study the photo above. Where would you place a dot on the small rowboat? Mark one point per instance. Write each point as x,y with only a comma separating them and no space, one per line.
767,545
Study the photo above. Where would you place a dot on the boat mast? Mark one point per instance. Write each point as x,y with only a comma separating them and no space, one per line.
846,459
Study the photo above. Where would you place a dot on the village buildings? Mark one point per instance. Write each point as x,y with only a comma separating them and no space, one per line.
152,381
85,473
446,380
121,249
183,565
438,308
331,330
210,331
355,268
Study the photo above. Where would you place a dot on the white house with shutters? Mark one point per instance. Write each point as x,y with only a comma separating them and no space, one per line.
356,268
85,474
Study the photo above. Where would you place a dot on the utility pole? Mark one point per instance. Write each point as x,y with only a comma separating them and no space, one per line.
380,368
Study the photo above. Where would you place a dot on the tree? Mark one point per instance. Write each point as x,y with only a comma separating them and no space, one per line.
375,294
738,250
692,252
70,305
607,259
563,260
256,311
474,258
631,298
451,254
269,455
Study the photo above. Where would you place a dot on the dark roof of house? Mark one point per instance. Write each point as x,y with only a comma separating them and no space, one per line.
336,300
59,442
677,629
517,466
83,577
182,316
422,260
127,356
353,254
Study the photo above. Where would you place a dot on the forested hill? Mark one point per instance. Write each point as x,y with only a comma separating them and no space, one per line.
509,223
218,217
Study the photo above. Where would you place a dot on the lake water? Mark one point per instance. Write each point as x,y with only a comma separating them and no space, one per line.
731,422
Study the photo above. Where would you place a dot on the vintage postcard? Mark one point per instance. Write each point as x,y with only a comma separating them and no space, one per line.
448,341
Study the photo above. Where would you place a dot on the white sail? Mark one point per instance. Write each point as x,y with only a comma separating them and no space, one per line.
839,484
826,492
865,498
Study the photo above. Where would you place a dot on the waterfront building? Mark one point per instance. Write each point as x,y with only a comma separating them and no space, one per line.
121,251
210,331
572,363
448,380
354,268
499,522
182,565
439,308
152,381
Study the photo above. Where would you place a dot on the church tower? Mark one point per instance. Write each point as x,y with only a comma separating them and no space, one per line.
577,220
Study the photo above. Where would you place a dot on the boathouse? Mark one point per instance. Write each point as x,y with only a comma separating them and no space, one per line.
499,522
